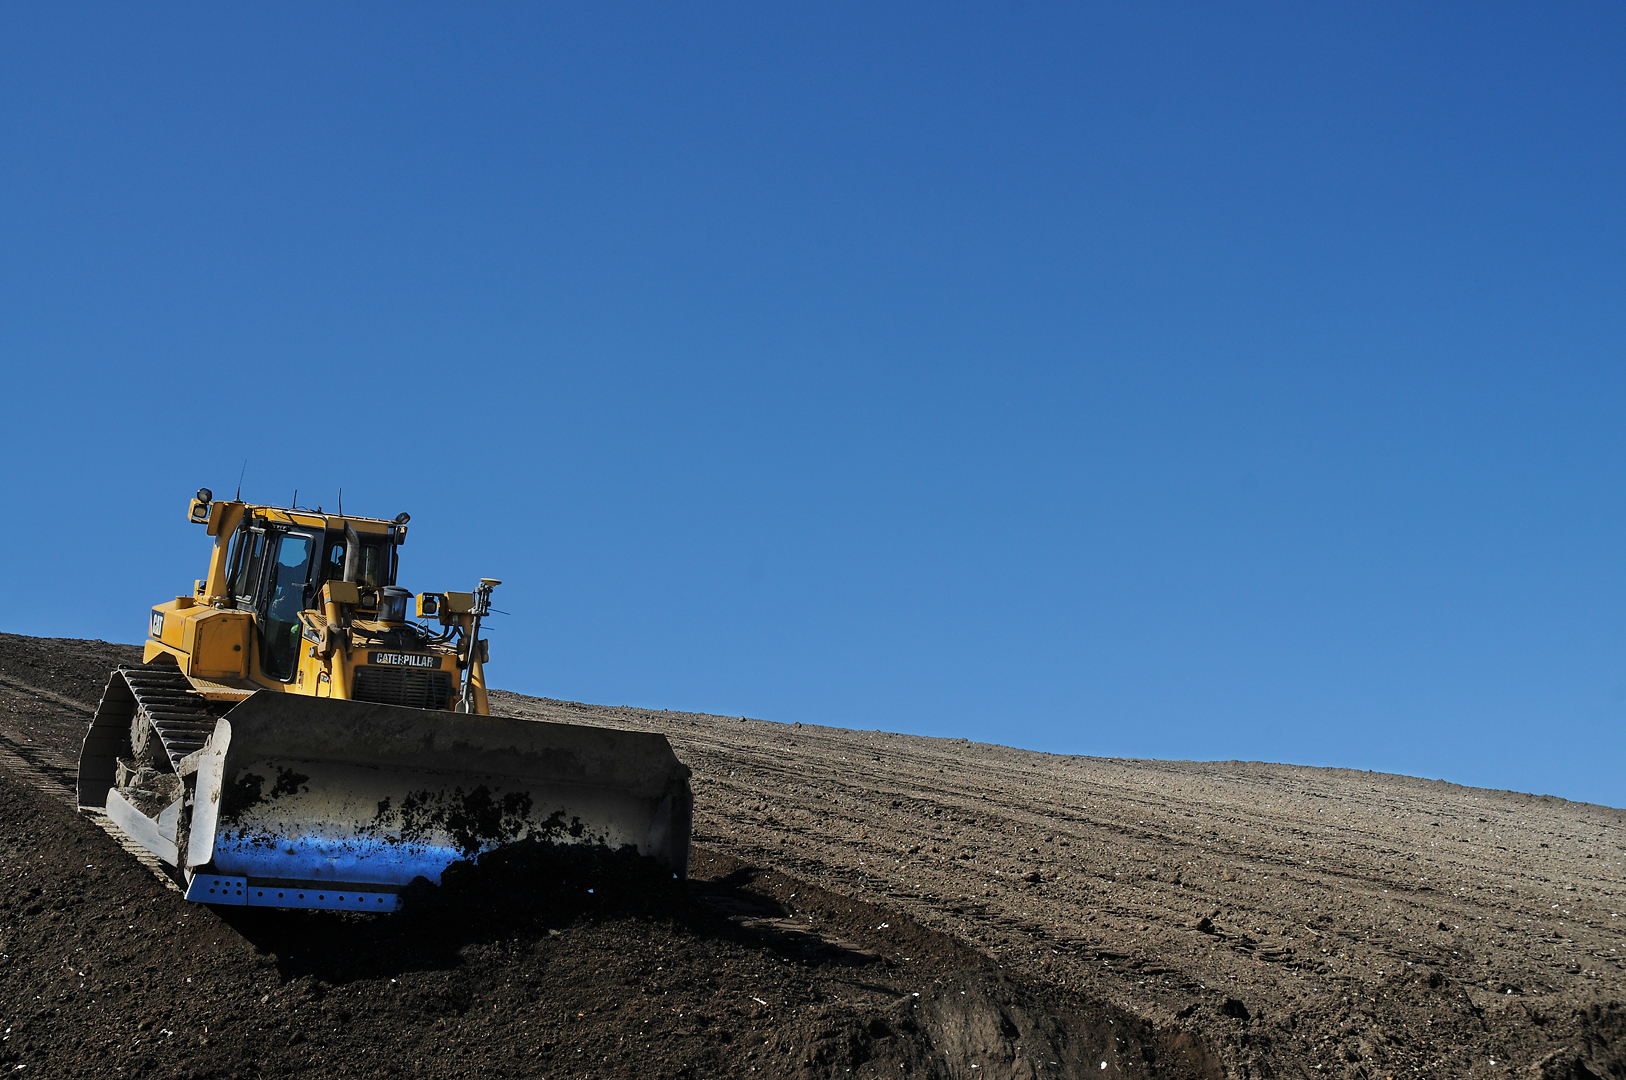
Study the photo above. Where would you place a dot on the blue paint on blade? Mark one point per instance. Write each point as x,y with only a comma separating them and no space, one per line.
316,858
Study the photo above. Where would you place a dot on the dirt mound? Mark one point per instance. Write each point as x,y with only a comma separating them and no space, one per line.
861,904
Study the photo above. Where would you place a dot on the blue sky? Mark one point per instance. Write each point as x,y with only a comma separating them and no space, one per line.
1161,381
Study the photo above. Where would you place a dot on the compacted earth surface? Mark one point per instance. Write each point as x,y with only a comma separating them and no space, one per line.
860,904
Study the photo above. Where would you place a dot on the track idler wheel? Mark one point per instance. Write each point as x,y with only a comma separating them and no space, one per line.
146,778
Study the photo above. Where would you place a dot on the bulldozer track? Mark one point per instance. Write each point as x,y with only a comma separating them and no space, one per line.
55,772
180,716
146,858
178,713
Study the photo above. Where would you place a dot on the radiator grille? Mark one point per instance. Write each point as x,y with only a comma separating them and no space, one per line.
403,686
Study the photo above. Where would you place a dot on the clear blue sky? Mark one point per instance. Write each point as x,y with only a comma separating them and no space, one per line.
1165,380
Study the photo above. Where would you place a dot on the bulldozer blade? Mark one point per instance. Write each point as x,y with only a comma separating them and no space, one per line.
303,802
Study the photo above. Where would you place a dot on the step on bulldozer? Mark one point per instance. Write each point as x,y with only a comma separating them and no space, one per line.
294,739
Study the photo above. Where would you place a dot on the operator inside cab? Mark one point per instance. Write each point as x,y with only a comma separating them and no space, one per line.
371,563
287,601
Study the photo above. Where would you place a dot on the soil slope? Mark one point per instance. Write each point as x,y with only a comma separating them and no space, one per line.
1053,913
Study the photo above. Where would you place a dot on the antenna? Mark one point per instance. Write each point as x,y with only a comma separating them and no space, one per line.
239,496
295,504
341,502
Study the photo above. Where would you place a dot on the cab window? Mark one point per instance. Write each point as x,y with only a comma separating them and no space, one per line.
246,563
371,565
371,570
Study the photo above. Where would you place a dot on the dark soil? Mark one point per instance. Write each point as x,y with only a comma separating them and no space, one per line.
860,904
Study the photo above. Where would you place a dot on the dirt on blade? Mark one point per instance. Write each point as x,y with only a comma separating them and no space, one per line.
861,904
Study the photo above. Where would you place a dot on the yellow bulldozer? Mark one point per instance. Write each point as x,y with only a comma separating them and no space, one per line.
295,739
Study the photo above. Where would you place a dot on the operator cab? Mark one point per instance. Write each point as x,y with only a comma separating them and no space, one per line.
277,569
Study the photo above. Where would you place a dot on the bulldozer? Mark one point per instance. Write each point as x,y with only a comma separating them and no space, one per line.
294,738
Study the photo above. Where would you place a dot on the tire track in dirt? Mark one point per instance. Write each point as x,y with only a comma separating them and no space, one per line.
28,744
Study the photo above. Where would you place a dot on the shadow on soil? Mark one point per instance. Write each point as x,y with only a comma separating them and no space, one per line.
967,1018
524,891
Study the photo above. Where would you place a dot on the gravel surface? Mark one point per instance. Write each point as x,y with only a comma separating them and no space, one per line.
1171,918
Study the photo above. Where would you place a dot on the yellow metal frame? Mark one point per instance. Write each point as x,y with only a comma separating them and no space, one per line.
212,641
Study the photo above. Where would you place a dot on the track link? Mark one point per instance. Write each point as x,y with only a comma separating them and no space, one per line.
165,874
178,713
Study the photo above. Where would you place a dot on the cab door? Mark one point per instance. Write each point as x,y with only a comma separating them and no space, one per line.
284,594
